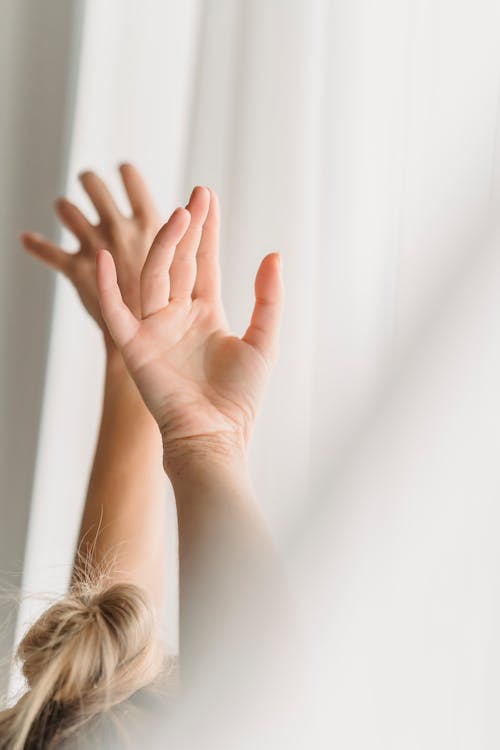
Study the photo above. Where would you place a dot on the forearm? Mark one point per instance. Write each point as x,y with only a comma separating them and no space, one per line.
227,558
123,523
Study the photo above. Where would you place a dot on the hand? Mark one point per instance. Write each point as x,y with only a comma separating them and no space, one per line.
201,384
127,238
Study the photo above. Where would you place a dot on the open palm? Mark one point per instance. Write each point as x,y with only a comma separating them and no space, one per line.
195,377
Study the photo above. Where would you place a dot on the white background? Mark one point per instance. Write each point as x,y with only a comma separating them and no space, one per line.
360,139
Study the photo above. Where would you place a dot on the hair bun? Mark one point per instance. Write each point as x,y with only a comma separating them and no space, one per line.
87,640
85,654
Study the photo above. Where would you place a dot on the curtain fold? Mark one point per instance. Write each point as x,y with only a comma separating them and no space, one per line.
127,107
361,140
38,57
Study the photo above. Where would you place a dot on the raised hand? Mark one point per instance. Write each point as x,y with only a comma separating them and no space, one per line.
128,239
201,384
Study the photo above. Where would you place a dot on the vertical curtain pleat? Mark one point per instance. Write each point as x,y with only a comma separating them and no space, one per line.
360,139
128,107
37,46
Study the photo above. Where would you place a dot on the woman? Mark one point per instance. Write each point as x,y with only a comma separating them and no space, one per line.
180,393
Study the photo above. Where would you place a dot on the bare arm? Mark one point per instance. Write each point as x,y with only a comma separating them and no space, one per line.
203,386
123,519
233,594
123,523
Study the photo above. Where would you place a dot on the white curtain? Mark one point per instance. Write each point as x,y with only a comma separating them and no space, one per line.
360,139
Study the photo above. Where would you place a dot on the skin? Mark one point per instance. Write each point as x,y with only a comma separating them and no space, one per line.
203,386
201,383
123,521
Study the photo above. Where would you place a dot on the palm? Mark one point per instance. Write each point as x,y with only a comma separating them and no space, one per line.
196,378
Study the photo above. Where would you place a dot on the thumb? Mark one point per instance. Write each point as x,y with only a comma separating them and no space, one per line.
121,323
263,331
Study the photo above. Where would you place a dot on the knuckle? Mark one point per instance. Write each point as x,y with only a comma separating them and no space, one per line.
116,232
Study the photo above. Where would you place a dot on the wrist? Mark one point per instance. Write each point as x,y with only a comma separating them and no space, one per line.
110,349
113,358
119,385
202,458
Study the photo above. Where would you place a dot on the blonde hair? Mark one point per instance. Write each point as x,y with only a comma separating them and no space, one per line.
84,655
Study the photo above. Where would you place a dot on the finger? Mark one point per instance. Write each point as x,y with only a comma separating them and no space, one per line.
100,196
122,324
138,194
263,331
73,219
207,282
46,251
183,268
155,279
